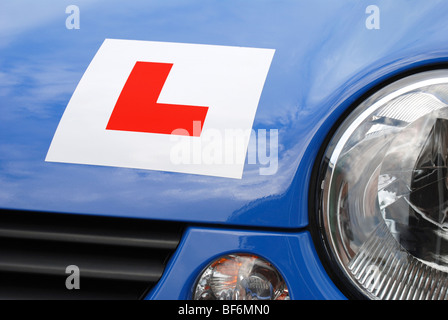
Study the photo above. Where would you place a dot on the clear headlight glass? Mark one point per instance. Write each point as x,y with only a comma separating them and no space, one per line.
384,193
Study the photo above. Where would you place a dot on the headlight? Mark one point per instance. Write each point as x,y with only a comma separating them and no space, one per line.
240,277
383,203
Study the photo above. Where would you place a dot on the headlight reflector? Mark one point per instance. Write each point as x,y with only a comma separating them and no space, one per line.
383,204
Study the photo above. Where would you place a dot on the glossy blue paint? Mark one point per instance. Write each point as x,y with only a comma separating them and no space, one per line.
291,253
325,58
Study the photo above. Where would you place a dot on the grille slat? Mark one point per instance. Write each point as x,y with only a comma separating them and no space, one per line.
85,238
118,258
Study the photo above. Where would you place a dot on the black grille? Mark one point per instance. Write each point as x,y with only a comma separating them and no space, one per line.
118,258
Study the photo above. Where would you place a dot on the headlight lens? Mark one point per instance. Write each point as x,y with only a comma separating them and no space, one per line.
240,277
384,192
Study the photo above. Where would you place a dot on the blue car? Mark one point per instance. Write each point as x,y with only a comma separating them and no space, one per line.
224,150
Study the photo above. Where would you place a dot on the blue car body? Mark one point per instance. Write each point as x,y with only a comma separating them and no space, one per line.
325,60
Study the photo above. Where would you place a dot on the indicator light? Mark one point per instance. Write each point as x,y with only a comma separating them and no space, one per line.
240,277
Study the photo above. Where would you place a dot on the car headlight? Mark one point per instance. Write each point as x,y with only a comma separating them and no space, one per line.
383,202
